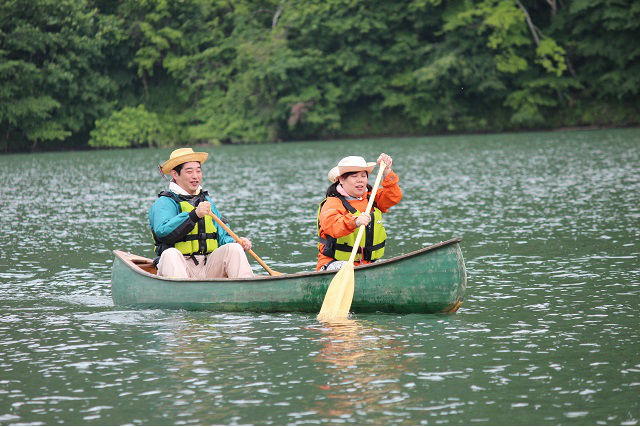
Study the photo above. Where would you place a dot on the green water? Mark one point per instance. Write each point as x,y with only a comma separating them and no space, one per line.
548,333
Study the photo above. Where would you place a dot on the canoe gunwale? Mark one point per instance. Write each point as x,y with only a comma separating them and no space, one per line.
128,259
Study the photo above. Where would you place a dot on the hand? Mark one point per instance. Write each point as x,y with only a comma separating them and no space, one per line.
203,209
387,161
245,243
363,219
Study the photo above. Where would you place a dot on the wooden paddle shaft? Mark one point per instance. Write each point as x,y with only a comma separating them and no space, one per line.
356,244
237,239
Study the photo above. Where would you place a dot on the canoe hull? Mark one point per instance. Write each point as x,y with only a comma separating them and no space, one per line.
427,281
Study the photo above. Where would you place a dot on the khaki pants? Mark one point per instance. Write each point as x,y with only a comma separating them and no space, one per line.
227,261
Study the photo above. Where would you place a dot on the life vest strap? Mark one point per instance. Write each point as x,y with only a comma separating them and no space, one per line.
331,246
346,248
201,236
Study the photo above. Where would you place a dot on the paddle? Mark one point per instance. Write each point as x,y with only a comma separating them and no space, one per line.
237,239
337,300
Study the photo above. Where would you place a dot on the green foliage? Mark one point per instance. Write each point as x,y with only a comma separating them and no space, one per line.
151,32
603,36
501,24
210,71
52,81
528,104
551,56
129,127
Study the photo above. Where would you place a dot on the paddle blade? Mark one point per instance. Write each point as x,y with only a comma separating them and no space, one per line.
337,300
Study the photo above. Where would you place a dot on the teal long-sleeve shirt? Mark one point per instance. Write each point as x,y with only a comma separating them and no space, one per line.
170,224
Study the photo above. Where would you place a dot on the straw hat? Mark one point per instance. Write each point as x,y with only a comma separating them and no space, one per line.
350,164
183,155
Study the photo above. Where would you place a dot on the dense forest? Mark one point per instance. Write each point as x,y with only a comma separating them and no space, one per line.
132,73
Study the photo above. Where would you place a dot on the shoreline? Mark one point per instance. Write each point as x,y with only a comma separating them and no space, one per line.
347,138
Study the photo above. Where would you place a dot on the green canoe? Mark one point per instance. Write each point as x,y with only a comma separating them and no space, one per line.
429,280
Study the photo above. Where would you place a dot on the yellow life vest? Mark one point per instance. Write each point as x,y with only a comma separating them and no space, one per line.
194,242
372,245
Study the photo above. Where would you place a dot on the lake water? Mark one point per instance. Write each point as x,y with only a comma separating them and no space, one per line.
548,332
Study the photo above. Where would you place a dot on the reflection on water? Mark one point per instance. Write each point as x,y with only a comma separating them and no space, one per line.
356,356
343,344
548,332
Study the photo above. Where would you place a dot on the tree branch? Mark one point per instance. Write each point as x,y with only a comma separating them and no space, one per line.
532,28
537,34
553,6
274,23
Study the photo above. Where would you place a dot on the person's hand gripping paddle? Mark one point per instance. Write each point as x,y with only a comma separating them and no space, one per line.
337,300
237,239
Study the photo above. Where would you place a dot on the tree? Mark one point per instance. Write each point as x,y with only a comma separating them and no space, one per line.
129,127
601,37
259,71
53,84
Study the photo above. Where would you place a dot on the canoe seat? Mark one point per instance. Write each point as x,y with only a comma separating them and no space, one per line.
145,264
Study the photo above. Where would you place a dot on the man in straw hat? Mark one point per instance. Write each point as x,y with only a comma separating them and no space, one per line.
187,241
341,213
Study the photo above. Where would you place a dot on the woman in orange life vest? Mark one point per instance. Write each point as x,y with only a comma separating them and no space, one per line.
341,213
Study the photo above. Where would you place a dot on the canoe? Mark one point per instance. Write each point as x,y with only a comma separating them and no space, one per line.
429,280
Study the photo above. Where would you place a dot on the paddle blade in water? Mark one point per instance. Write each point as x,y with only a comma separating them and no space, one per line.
337,300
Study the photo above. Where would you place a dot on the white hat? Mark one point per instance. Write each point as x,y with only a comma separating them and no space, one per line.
350,164
183,155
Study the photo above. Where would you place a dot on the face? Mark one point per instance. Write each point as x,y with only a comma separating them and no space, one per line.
355,184
189,178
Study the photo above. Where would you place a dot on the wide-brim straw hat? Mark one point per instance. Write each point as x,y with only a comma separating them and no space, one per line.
350,164
183,155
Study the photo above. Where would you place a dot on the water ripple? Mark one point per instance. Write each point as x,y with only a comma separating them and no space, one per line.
547,333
